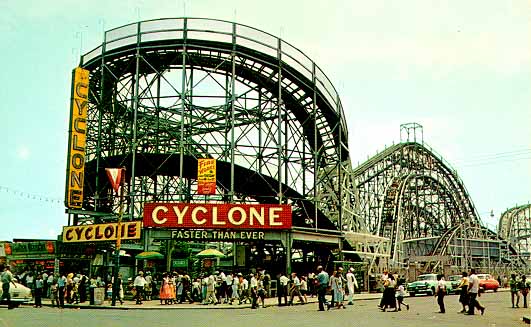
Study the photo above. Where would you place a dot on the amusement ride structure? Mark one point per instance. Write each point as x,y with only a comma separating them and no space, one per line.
165,93
515,227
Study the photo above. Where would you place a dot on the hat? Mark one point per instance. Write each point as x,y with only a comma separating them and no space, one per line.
141,272
352,269
340,268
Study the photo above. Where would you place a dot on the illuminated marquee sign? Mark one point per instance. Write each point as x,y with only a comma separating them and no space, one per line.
102,232
217,216
77,136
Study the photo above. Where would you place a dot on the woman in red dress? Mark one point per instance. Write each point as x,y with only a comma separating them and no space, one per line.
165,291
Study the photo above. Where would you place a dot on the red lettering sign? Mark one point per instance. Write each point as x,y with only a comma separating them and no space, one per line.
218,216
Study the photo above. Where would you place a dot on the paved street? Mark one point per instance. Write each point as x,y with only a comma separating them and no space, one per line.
363,313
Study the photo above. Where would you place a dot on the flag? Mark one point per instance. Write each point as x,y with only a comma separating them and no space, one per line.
115,177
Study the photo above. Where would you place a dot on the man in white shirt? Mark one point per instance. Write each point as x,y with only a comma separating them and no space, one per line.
7,279
473,291
211,290
139,284
440,292
244,290
49,282
221,287
295,289
351,284
228,288
282,290
44,284
235,287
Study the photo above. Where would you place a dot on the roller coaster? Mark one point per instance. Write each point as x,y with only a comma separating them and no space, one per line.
167,92
515,227
410,195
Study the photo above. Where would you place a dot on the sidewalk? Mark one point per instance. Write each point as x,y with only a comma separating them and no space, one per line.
155,304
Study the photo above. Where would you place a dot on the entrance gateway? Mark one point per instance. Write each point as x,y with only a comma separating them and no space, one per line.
253,224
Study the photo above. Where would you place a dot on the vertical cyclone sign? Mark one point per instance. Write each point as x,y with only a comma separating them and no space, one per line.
206,176
77,138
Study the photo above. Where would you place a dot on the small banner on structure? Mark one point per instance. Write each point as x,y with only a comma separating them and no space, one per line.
115,177
206,176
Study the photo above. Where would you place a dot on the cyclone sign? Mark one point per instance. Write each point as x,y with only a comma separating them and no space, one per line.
77,139
102,232
217,216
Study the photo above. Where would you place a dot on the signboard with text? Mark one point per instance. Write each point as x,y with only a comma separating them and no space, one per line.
206,176
32,248
102,232
217,216
77,139
217,235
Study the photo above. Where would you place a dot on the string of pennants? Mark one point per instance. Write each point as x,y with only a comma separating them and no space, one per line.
31,196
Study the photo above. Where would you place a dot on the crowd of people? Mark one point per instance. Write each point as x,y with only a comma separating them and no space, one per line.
519,286
234,287
394,293
339,286
70,288
219,287
468,289
230,288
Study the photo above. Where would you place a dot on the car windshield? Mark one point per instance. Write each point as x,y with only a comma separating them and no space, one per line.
427,277
483,276
454,277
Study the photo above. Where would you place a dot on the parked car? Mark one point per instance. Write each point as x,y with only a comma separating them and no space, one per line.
486,282
426,284
19,294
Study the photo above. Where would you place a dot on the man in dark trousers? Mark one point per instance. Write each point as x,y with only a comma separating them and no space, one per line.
7,279
440,292
322,285
282,289
473,290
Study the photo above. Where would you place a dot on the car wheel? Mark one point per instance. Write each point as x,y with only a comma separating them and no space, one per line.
496,289
432,292
412,294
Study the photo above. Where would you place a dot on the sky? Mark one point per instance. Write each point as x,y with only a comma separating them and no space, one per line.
461,69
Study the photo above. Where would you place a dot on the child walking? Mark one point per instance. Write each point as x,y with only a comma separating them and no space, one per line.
400,294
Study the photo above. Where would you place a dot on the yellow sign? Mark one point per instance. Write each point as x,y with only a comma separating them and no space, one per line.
102,232
77,138
206,176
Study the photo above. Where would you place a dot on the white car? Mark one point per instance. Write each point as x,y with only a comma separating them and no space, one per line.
19,294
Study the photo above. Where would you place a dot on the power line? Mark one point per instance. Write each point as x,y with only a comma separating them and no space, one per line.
515,154
30,196
490,162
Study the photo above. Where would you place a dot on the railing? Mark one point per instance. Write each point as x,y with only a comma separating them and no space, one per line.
220,31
